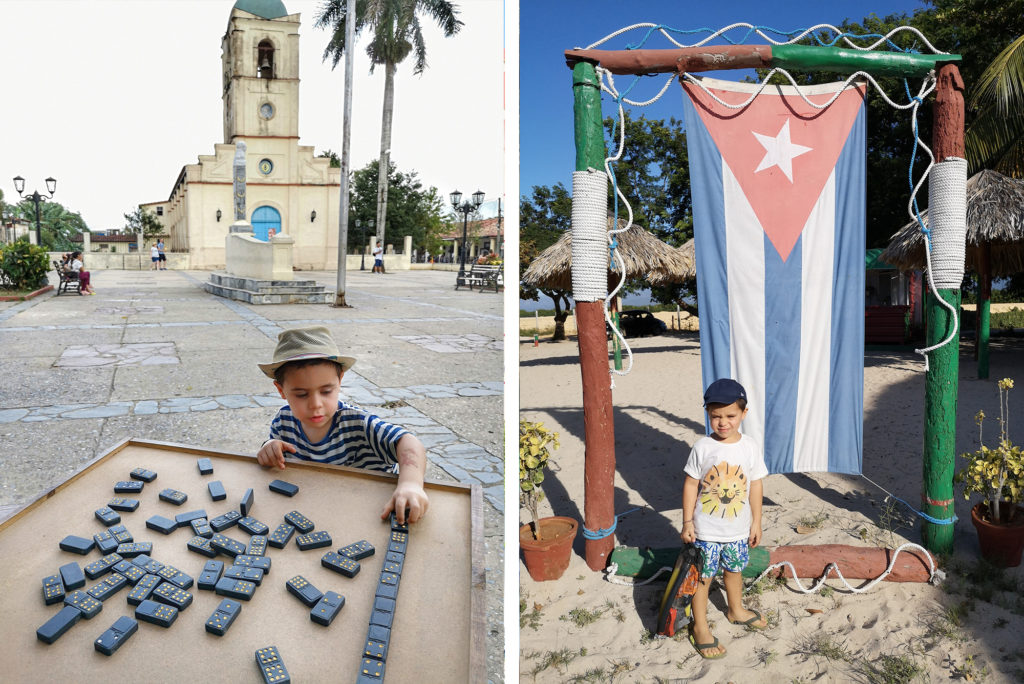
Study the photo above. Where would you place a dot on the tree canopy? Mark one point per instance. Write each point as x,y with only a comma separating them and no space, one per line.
413,210
138,220
57,224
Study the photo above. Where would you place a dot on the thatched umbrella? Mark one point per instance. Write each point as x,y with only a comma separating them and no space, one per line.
995,241
642,255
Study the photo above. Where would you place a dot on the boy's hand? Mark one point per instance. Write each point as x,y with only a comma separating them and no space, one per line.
689,533
408,495
272,453
755,535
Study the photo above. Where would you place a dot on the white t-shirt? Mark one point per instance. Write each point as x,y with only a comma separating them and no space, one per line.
377,251
725,472
76,265
154,252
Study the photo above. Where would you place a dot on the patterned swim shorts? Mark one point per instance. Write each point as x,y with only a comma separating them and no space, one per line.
733,556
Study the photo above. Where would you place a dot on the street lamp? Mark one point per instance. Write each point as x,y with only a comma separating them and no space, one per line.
465,208
51,187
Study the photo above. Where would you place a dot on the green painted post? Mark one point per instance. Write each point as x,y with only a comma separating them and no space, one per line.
984,309
941,381
940,422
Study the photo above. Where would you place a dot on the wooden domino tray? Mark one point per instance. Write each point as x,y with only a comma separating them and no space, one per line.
438,630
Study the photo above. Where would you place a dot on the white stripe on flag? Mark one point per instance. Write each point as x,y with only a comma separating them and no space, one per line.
745,264
812,402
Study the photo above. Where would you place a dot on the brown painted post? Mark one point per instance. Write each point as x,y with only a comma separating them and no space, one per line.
941,381
598,423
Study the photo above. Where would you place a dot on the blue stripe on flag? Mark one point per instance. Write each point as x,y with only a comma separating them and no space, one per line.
846,391
710,248
782,300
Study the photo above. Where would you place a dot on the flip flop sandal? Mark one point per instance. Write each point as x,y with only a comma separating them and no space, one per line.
700,648
750,621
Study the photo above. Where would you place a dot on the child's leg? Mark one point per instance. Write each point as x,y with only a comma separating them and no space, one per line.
701,631
734,558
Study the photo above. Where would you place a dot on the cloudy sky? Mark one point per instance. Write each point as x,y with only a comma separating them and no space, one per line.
113,97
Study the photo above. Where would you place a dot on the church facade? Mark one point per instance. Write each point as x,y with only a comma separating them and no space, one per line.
288,189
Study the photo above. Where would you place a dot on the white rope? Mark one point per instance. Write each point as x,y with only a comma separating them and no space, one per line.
589,236
928,86
613,568
947,220
935,576
615,258
842,35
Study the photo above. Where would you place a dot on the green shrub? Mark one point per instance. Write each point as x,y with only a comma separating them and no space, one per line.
23,266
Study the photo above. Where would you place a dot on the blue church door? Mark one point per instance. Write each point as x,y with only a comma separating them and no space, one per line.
263,220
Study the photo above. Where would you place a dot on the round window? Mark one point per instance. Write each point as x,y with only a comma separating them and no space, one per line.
266,110
266,166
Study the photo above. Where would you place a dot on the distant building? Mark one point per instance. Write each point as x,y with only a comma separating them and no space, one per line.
111,241
482,236
288,189
13,229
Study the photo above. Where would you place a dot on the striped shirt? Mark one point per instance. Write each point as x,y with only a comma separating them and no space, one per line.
356,438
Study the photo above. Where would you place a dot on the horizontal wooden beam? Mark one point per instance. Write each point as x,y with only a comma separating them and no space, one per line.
726,57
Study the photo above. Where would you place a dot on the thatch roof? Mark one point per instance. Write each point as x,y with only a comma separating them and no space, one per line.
642,254
995,216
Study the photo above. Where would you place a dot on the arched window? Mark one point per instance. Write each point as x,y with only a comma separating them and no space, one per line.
265,59
265,219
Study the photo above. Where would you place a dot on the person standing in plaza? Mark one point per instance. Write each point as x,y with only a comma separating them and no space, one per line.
378,258
154,256
162,262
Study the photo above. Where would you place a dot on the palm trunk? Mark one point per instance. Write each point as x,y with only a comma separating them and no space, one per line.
385,148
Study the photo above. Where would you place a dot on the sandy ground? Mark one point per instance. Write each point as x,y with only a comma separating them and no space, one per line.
968,628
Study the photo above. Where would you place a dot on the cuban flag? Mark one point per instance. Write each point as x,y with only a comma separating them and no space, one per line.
778,213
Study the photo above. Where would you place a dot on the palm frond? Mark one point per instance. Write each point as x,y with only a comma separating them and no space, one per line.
1002,82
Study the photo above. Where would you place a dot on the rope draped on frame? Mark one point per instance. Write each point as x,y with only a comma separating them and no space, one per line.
947,191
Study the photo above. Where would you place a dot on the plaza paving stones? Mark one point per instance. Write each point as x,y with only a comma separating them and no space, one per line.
90,355
153,356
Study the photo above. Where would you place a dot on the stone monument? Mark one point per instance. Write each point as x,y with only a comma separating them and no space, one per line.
240,225
258,272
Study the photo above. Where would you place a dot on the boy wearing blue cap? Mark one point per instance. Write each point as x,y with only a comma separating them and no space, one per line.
722,509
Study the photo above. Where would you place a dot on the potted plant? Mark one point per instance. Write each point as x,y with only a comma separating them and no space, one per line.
998,475
546,543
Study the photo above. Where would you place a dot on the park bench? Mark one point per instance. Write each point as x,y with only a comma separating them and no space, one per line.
68,279
484,275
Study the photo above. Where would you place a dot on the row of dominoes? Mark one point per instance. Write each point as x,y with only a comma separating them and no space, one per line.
378,636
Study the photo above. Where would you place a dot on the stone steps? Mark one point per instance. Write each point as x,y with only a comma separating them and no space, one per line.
254,291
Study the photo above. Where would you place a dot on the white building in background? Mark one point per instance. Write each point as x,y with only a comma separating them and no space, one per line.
288,189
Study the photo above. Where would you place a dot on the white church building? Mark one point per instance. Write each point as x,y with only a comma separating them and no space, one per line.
288,189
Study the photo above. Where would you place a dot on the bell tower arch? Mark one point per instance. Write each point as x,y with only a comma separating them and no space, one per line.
260,64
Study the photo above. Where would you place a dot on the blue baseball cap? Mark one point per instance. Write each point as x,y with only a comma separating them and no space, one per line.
724,391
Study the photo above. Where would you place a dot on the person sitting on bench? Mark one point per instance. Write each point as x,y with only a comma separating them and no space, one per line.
84,286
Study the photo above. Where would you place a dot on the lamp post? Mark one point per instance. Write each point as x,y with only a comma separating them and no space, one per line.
51,187
465,208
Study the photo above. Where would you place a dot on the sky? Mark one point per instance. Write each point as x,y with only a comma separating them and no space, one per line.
113,97
547,29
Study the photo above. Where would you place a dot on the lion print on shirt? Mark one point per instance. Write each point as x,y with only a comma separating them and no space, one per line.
723,490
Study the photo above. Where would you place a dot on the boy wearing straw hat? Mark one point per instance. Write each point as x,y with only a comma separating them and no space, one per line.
316,426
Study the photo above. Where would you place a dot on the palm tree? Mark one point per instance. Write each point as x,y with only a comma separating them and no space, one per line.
995,140
397,32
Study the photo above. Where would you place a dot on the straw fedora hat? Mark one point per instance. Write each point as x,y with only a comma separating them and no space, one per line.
299,344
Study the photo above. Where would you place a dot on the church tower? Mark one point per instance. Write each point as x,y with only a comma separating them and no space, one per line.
260,62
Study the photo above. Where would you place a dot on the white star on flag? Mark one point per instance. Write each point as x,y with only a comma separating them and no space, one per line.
780,151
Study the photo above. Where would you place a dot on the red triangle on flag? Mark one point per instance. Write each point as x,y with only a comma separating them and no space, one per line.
780,149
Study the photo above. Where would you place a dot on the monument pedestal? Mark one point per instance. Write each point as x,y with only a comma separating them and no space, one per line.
260,272
257,291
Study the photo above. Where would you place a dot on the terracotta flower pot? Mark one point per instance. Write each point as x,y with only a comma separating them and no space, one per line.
548,557
1002,543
